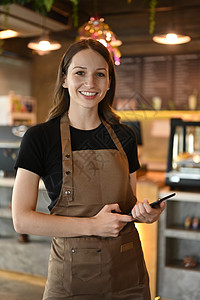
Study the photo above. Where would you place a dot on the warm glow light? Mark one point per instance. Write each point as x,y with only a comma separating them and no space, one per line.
116,43
171,39
196,158
43,46
96,29
103,42
6,34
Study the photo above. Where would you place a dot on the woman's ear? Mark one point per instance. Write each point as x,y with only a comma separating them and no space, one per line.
64,81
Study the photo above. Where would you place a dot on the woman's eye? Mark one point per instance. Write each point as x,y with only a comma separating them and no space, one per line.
100,74
80,73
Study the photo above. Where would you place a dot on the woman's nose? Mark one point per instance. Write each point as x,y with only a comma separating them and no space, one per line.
89,81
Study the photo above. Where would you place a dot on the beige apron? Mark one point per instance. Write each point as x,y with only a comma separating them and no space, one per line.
95,268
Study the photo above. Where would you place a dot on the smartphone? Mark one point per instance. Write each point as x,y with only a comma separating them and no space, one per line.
157,203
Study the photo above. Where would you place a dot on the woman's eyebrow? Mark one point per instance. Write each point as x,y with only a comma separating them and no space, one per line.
101,69
79,67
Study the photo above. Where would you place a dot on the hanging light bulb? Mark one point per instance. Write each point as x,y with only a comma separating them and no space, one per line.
8,33
96,29
171,39
44,45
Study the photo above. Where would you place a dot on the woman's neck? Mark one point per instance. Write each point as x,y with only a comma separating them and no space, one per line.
85,119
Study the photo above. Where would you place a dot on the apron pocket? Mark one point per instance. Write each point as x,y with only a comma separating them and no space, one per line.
86,271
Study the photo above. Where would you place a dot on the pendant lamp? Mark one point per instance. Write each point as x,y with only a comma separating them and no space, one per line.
171,38
43,45
7,34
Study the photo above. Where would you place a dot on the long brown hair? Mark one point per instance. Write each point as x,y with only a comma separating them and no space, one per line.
61,95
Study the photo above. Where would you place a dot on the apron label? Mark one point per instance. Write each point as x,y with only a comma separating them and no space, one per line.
126,247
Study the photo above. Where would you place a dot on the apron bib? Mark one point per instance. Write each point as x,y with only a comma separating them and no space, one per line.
96,268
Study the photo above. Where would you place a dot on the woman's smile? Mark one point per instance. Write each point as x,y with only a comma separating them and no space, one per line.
88,95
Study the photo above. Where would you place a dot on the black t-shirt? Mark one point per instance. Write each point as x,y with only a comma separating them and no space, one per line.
41,152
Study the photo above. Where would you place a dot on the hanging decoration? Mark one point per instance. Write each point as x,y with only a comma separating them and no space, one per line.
96,29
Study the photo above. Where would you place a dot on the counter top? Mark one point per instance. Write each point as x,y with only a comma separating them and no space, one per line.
157,177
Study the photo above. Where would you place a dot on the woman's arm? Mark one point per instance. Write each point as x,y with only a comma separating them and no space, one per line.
29,221
142,211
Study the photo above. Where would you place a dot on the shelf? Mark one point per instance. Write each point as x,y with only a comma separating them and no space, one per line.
175,243
132,115
180,232
177,264
26,118
5,213
23,115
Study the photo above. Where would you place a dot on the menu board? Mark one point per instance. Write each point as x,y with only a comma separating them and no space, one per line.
128,81
158,82
186,78
157,79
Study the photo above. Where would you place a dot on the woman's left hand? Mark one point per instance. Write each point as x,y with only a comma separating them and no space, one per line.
144,213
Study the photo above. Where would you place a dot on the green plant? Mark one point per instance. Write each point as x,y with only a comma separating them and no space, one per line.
40,6
75,12
152,8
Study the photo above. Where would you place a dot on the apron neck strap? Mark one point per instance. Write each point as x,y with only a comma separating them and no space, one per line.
114,137
66,132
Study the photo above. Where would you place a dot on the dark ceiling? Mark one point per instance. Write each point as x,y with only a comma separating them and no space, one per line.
129,20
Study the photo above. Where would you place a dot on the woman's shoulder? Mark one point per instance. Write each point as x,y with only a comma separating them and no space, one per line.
123,130
47,128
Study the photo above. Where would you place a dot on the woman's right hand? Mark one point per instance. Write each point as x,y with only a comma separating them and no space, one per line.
109,224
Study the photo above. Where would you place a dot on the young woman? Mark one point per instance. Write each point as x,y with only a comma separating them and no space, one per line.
87,160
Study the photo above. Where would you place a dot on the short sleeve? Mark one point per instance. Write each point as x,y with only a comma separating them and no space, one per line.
31,152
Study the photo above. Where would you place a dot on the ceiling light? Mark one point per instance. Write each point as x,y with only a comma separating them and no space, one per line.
8,33
171,39
43,45
96,29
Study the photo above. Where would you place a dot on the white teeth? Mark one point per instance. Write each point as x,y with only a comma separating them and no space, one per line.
88,94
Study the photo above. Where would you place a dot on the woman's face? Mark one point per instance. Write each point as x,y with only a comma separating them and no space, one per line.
87,79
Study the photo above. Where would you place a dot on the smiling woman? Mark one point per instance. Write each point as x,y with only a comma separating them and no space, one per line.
87,160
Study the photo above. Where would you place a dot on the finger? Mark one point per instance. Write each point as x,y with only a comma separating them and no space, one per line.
162,205
147,206
112,207
125,218
137,213
142,210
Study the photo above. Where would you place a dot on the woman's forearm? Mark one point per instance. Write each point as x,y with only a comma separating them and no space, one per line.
38,223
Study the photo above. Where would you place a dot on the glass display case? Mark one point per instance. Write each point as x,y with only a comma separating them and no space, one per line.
183,166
